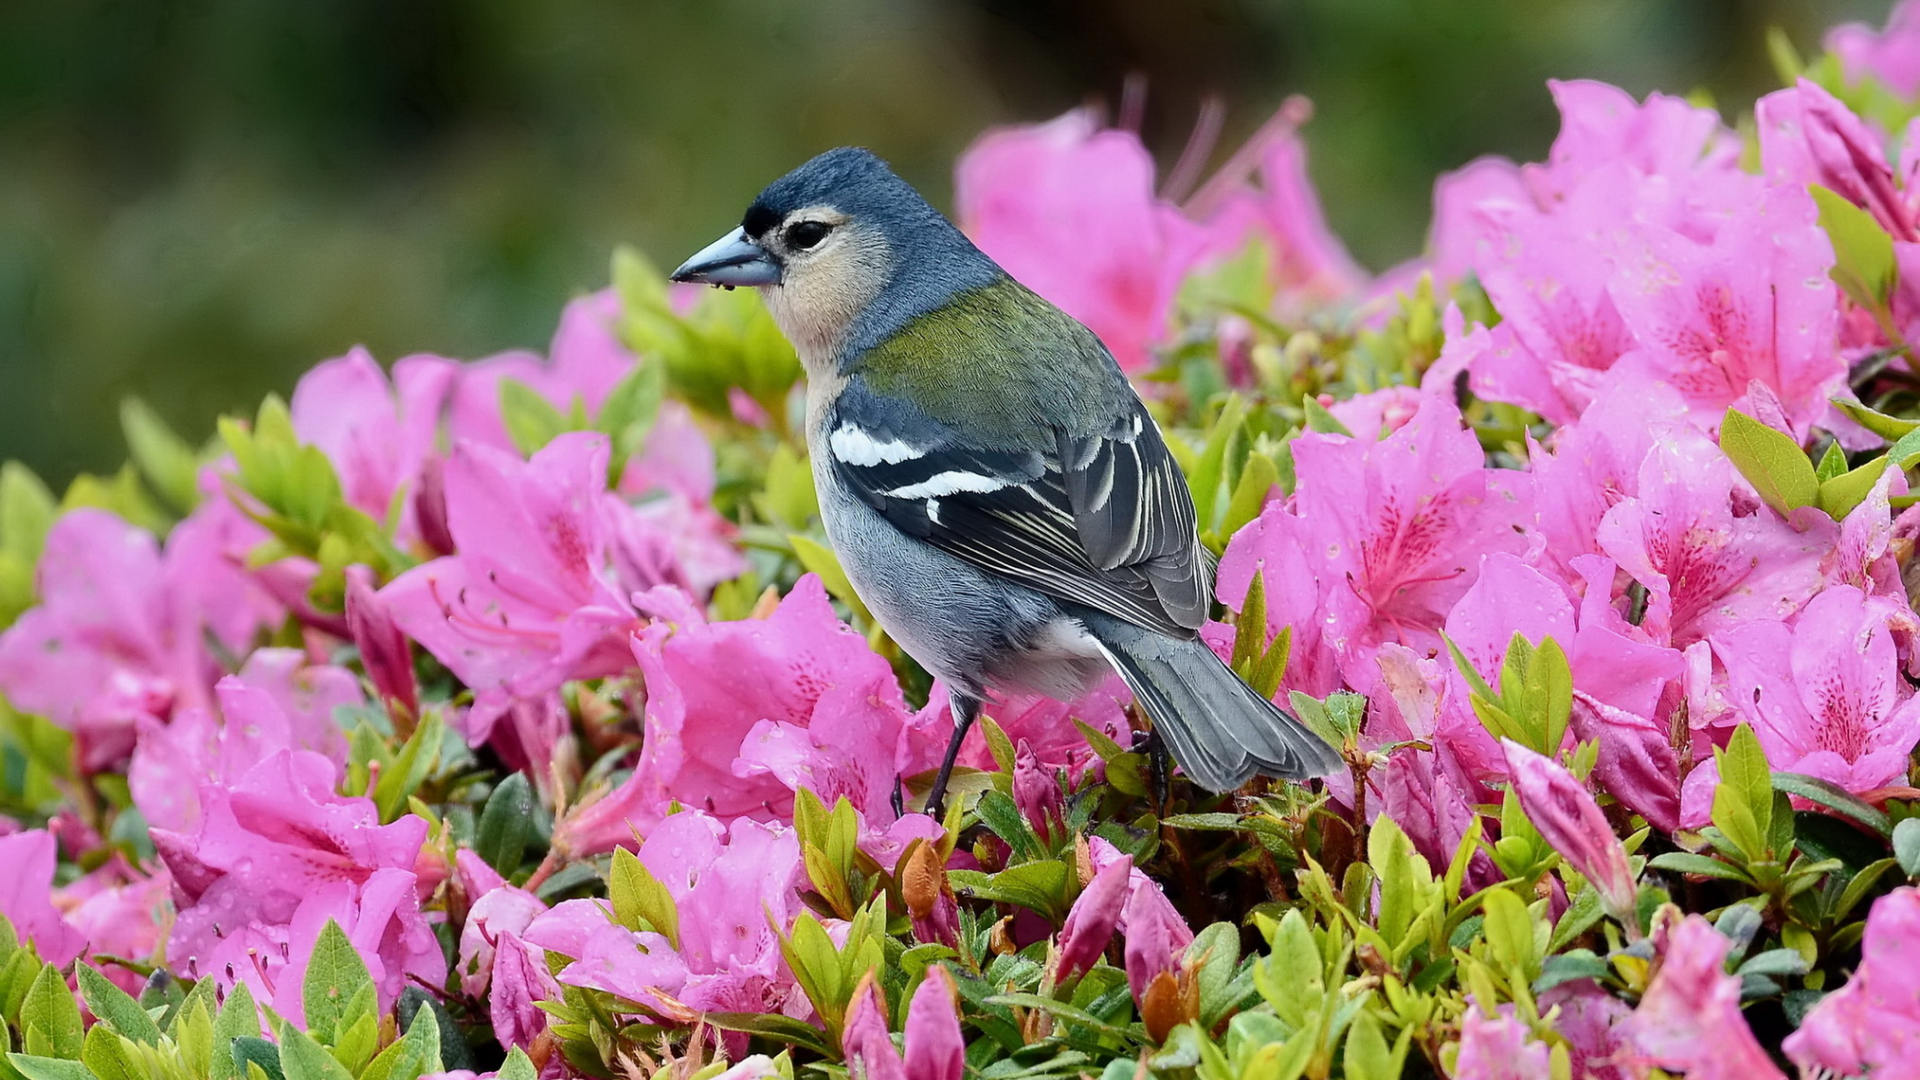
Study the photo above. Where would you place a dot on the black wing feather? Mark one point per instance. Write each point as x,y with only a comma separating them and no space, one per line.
1103,520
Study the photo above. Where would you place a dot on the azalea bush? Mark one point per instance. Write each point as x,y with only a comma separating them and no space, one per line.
513,718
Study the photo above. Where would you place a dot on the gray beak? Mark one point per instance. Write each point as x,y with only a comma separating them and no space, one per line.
731,260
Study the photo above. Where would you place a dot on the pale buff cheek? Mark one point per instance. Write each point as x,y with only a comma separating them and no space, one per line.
820,298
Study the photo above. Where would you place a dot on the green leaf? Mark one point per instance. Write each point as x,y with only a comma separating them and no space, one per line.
46,1068
411,766
1059,1010
115,1007
531,420
1743,801
1320,420
1835,798
303,1059
640,900
628,413
1367,1055
1862,251
789,499
1831,464
1686,862
413,1054
501,836
819,560
49,1009
1839,495
1906,846
252,1050
171,466
1906,451
1887,427
1257,480
1569,966
519,1066
27,511
1509,932
106,1056
1774,962
335,974
238,1020
454,1051
1039,886
773,1025
1771,461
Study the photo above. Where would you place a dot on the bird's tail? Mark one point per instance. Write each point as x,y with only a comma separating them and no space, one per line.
1221,731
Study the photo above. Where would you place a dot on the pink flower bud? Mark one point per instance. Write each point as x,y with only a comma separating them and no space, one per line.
1571,821
1156,936
935,1048
1851,162
1093,917
383,648
1037,794
864,1040
430,508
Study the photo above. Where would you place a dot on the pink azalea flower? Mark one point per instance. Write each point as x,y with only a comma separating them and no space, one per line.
1891,55
528,602
1707,563
1601,125
119,912
1462,230
376,433
1871,1026
1561,333
1068,209
1586,1018
276,852
712,686
1146,901
1595,461
119,633
384,650
1689,1018
1156,940
1753,305
1043,723
1573,824
727,883
382,919
1391,533
1498,1047
1036,790
1619,676
1807,136
936,1049
1094,917
30,858
1862,556
497,965
1311,267
858,743
1825,696
1422,798
276,703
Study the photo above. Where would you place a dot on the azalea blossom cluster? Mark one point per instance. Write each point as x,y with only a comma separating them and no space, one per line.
1586,536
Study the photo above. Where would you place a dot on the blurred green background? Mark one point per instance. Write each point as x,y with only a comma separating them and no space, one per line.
201,198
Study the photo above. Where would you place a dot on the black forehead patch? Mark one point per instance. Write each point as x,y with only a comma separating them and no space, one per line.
759,220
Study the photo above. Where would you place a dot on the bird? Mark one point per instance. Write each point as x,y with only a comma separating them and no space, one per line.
998,495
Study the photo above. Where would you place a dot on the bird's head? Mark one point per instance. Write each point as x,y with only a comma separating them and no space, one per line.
827,241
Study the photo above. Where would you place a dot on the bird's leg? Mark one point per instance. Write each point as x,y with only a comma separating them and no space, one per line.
965,711
1159,767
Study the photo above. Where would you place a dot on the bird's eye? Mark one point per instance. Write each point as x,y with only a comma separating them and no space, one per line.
802,235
